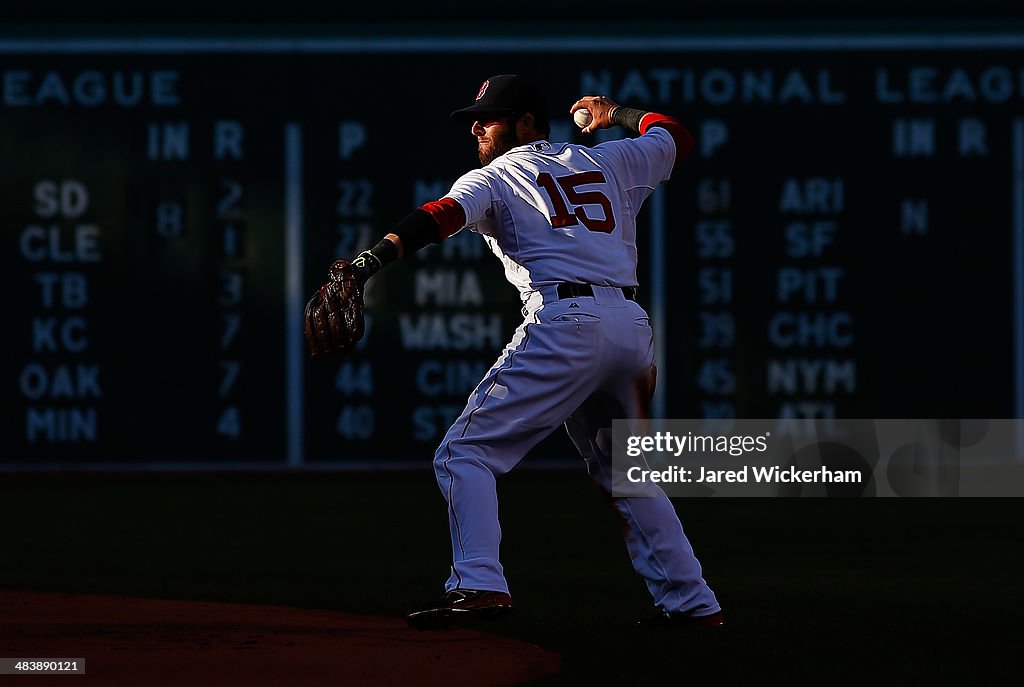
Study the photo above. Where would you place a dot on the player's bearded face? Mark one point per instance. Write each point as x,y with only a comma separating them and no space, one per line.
494,139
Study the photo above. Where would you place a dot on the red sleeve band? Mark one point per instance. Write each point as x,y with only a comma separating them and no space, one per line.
448,214
682,137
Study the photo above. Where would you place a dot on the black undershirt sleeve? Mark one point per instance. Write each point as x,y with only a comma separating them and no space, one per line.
415,231
628,118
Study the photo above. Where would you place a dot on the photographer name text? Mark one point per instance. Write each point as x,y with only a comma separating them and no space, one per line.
761,474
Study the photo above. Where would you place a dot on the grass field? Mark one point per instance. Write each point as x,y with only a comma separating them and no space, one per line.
822,591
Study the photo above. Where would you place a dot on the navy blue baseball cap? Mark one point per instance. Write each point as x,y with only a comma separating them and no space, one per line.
505,94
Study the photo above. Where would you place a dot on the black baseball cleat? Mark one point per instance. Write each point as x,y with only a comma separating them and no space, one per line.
442,612
680,619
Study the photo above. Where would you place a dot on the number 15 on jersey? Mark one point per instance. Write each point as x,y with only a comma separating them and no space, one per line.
563,191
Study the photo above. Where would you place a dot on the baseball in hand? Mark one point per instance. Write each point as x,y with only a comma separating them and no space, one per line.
582,117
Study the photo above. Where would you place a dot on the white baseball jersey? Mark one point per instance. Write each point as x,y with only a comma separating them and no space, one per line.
563,212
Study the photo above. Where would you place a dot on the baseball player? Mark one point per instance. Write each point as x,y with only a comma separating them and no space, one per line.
562,220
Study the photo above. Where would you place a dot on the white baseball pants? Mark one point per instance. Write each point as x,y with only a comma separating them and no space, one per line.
581,362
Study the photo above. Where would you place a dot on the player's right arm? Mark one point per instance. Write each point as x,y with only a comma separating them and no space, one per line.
648,159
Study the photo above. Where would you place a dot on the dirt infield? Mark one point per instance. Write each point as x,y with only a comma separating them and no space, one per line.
131,641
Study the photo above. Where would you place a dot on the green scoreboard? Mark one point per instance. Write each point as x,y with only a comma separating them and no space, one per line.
846,241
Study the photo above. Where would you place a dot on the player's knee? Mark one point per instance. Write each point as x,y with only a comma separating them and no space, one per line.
455,456
446,458
439,461
444,461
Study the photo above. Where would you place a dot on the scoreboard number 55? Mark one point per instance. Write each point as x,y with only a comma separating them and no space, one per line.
555,187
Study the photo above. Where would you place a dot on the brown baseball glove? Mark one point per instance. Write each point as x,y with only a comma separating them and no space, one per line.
334,315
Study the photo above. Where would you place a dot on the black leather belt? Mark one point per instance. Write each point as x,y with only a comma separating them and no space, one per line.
570,290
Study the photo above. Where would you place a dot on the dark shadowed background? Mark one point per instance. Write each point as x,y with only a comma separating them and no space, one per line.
847,241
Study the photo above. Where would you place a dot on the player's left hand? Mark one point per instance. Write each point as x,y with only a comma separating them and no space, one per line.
334,315
600,108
